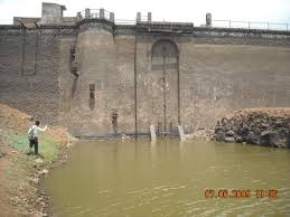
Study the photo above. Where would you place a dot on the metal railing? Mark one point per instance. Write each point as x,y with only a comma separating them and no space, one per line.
141,18
250,25
124,22
96,14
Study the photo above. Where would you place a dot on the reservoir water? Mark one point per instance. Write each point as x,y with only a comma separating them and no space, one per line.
172,179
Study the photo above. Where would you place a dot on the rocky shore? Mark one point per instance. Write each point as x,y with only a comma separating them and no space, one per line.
261,126
20,174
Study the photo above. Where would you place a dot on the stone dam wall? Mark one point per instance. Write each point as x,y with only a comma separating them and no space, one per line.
29,70
99,78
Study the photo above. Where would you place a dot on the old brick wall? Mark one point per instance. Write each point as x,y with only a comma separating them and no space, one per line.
218,74
94,100
220,78
29,70
219,71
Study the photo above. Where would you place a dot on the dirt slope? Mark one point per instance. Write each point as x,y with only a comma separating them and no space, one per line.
19,172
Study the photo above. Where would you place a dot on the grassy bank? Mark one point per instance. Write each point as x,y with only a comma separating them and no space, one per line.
20,194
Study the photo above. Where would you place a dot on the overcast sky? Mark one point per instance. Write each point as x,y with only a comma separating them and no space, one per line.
167,10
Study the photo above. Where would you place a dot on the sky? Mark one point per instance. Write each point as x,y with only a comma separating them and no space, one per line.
162,10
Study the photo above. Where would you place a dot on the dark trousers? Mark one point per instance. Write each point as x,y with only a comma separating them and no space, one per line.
34,142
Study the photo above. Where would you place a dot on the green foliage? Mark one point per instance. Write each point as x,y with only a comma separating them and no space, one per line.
48,147
18,141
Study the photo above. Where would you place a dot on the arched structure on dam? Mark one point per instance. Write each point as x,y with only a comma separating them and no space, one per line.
165,85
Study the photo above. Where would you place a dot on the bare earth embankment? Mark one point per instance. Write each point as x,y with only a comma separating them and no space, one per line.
261,126
20,194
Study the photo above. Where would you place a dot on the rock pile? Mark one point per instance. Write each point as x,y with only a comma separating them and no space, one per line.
263,126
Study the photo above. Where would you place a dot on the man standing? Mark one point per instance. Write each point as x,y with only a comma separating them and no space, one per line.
33,136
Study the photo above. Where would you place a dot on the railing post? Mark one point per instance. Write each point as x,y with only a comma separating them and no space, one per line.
149,17
102,13
112,17
287,26
208,19
268,25
249,24
138,17
230,23
87,13
79,16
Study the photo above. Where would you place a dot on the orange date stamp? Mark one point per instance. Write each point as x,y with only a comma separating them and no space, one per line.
240,193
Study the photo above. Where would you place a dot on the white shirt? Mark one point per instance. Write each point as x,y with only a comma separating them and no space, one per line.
33,131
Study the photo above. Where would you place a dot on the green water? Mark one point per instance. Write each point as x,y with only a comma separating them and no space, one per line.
115,179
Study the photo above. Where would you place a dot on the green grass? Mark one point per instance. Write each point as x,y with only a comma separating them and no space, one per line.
47,147
19,142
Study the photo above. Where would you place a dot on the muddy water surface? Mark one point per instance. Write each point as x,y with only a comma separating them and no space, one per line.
138,179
